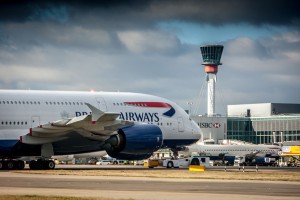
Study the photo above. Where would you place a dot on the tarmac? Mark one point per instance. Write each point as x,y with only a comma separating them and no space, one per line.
144,188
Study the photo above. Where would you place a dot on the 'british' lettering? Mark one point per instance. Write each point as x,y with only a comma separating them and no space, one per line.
81,113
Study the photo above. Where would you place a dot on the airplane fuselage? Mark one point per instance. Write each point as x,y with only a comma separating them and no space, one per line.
21,111
230,152
234,150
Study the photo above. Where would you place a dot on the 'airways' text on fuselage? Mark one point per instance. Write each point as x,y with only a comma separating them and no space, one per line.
132,116
140,117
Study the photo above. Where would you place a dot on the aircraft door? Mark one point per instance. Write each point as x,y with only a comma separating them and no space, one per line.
35,121
180,124
101,104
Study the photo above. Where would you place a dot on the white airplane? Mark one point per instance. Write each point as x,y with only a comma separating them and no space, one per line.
230,152
70,157
127,126
67,158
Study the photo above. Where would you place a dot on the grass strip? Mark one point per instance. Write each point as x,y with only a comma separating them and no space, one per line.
184,174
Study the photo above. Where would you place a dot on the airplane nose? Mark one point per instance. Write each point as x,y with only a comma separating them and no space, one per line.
196,130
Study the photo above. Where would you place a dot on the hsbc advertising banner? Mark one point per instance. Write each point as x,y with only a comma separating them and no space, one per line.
209,125
212,127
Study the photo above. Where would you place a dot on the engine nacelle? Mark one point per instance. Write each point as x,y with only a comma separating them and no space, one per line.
135,142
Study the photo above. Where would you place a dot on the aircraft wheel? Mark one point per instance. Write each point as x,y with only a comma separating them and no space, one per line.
50,164
10,164
35,165
20,165
1,165
170,164
40,164
32,164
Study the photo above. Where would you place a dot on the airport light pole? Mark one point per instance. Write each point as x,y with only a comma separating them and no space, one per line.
190,107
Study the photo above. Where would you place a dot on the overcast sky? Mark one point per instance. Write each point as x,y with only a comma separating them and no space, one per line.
153,47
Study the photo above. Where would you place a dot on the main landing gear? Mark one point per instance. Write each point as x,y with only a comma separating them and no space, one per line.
12,164
41,164
20,164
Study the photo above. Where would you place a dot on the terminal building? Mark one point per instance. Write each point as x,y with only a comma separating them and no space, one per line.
264,123
254,123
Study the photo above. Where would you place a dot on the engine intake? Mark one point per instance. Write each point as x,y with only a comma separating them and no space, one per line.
135,142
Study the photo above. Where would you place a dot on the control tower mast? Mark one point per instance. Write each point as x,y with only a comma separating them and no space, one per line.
211,55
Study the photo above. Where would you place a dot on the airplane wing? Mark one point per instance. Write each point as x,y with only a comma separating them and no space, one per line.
249,157
98,125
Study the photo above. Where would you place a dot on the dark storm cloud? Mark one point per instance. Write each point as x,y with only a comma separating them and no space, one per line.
22,11
120,46
217,12
60,11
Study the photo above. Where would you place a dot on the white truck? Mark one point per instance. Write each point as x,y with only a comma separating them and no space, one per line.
259,160
185,162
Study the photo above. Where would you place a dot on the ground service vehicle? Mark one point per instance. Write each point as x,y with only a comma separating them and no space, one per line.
258,160
103,162
185,162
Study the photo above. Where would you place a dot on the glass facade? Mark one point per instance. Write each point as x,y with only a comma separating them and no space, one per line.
261,130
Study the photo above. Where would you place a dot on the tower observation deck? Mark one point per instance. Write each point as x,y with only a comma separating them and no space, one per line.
211,55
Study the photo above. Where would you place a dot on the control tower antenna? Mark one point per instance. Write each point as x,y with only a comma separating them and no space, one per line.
211,55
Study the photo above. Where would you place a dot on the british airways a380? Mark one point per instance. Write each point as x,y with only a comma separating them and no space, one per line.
128,126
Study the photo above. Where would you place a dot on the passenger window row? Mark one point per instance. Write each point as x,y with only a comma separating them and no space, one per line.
127,104
20,102
64,103
38,102
168,124
13,123
233,150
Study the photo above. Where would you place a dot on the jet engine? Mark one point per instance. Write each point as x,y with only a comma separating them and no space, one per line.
135,142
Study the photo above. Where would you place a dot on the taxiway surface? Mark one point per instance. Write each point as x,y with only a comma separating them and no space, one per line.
144,187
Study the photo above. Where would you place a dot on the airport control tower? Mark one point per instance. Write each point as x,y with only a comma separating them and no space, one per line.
211,55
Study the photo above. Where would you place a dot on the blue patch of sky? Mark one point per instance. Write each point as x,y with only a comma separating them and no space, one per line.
51,13
192,33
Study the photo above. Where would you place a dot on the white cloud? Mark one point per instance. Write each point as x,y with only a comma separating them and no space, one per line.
26,73
244,46
148,41
82,37
289,37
